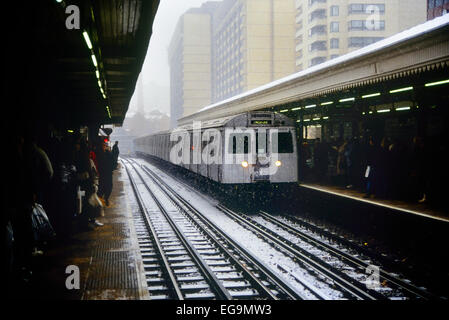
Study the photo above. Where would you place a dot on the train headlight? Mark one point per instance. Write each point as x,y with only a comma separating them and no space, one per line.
245,164
278,163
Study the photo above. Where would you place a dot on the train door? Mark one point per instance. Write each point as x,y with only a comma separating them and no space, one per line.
262,155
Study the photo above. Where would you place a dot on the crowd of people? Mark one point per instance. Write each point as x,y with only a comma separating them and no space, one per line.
381,168
68,178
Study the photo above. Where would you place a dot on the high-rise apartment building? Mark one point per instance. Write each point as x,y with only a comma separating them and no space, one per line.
253,44
326,29
190,62
436,8
228,47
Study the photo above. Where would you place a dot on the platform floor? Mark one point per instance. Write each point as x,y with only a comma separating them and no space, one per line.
108,257
420,209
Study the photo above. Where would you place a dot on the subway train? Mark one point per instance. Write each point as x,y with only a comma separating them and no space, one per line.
248,148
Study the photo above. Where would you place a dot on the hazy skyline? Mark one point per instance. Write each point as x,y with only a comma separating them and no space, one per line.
155,71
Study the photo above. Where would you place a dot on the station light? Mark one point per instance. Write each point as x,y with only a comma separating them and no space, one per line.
278,163
327,103
310,106
97,74
296,109
347,99
285,110
401,90
371,112
371,95
87,39
109,112
403,109
383,111
100,85
58,1
363,113
432,84
316,119
245,164
70,131
94,60
298,120
306,120
325,118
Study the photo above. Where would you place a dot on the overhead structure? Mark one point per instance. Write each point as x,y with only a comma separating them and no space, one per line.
411,54
76,72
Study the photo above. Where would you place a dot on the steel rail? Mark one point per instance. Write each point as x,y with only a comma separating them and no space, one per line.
345,256
165,264
220,291
290,292
345,282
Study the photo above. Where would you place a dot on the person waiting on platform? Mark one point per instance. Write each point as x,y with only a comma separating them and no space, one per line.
105,168
115,154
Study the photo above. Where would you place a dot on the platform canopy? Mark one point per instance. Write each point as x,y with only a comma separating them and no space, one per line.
64,75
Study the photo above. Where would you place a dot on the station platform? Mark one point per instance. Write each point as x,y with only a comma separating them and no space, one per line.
108,257
419,209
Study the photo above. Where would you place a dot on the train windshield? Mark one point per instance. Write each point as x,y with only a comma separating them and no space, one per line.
281,142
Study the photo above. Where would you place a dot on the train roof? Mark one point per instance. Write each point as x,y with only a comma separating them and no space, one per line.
262,118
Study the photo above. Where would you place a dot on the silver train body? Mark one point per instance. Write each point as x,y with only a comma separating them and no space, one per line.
242,149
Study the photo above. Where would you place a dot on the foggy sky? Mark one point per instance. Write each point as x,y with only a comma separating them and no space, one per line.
155,69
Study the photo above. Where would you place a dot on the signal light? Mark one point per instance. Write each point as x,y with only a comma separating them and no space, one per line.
245,164
278,163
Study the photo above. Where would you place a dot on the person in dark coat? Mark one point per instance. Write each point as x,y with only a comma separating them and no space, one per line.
371,173
115,154
321,155
105,167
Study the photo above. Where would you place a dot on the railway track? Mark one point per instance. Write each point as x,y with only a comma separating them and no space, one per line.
352,288
187,257
295,227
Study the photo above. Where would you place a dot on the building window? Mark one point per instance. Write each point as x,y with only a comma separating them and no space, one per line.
312,2
335,26
317,60
335,11
318,46
317,14
321,29
335,43
364,25
362,8
362,41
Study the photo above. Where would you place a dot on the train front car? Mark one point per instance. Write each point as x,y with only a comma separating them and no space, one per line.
259,147
248,148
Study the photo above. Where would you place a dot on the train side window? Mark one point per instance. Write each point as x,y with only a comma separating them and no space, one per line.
239,143
282,142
